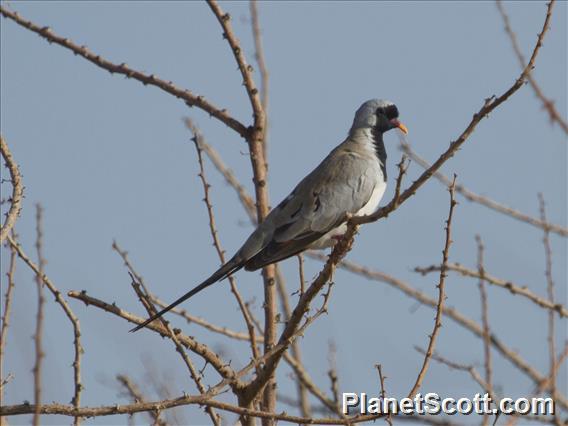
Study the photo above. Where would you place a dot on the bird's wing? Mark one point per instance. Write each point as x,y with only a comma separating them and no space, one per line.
341,184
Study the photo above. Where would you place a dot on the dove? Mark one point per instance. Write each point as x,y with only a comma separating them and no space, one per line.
349,182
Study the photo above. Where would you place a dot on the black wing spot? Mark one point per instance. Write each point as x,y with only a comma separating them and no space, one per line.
285,201
283,228
317,202
296,212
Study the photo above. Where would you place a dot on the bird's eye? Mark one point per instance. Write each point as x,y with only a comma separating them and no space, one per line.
391,112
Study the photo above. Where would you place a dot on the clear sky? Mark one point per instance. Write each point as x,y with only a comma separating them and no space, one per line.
110,159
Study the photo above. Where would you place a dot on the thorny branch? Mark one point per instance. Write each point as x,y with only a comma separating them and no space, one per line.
198,141
137,396
508,285
485,201
6,312
550,293
147,80
546,103
256,140
78,348
38,337
17,190
488,363
195,375
201,349
441,295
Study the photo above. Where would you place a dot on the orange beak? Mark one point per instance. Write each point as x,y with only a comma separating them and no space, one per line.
401,126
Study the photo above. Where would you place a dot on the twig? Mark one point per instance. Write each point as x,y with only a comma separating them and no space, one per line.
245,199
441,295
78,347
309,385
301,273
550,293
39,354
196,377
135,393
294,359
17,190
490,279
462,367
485,201
547,104
259,57
7,308
198,140
256,139
388,418
201,349
147,80
332,374
259,54
484,320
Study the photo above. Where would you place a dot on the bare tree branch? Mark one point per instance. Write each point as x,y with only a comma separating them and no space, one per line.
550,293
547,104
17,190
201,349
484,321
136,394
78,348
485,201
147,80
6,311
490,279
198,141
39,354
441,295
256,139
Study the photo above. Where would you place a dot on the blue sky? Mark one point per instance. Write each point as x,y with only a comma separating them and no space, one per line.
110,159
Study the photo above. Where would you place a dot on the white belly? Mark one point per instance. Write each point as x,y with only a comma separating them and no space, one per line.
373,203
329,239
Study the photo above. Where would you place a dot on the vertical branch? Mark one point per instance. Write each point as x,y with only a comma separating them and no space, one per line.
547,104
6,311
485,322
550,293
301,273
255,139
195,375
76,400
332,373
388,418
136,394
259,57
17,190
441,293
198,141
259,54
39,318
296,353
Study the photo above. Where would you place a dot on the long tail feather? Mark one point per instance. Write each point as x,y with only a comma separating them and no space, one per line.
223,272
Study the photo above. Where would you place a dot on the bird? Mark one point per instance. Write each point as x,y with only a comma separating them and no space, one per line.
350,181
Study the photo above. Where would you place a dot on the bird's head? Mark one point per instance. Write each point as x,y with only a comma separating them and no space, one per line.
378,115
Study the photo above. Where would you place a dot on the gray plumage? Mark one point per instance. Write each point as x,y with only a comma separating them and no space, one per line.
350,180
